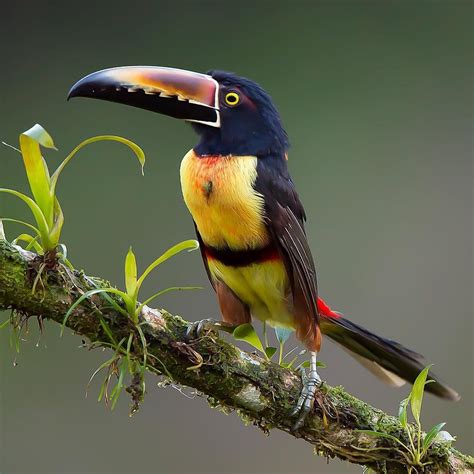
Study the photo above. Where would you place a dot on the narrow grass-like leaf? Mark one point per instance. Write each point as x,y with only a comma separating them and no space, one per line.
17,221
384,435
31,241
104,365
106,328
402,412
90,293
36,211
4,324
116,392
189,245
133,146
163,292
431,435
127,353
246,332
144,345
58,221
130,273
416,395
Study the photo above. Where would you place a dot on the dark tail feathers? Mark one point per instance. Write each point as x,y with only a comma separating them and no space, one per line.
387,359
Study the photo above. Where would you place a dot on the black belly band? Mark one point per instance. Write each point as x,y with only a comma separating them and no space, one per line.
242,258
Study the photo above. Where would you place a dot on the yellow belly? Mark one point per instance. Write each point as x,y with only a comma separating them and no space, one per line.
263,287
219,194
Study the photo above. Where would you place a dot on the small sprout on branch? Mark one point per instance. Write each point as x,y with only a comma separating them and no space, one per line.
125,359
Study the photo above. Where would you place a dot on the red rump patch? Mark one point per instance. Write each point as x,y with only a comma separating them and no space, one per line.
326,311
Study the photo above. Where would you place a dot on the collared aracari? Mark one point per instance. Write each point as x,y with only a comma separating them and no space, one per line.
248,216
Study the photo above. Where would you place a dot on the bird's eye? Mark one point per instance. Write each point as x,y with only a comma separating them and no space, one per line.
232,99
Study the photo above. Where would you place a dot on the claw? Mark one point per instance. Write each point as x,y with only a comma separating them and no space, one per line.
306,401
197,329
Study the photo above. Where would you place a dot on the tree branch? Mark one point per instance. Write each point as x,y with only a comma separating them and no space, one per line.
262,392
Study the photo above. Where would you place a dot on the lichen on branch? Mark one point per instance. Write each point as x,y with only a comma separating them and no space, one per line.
262,392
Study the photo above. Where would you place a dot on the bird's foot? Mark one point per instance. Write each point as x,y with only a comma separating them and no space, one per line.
306,401
197,329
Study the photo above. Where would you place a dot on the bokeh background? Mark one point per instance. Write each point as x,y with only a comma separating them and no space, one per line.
376,98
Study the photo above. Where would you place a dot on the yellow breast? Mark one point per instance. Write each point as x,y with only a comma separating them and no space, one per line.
219,194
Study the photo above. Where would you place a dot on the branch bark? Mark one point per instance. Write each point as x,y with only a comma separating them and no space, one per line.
261,392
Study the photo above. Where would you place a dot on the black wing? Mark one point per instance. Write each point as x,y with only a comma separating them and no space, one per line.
285,218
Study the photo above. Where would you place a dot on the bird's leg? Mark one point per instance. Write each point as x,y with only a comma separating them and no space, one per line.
197,328
307,397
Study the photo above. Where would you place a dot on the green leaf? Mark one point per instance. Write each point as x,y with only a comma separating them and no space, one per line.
133,146
416,395
4,324
37,214
246,332
282,334
163,292
88,294
36,168
31,241
58,221
270,351
16,221
383,435
131,273
402,412
431,435
189,245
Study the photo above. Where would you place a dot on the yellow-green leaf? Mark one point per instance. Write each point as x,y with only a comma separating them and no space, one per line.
133,146
189,245
17,221
58,221
36,168
246,332
416,395
270,352
402,412
31,242
130,273
431,435
37,213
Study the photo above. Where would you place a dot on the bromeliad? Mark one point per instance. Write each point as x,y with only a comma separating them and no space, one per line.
248,217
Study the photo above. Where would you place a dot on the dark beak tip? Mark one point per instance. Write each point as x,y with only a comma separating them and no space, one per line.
73,92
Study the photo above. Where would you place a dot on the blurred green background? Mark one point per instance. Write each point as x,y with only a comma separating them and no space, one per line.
376,98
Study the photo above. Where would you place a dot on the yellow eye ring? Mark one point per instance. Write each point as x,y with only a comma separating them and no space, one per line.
232,99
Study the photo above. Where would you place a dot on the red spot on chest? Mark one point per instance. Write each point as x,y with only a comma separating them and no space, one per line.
208,172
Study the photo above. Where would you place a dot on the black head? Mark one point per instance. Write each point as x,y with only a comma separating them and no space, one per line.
233,115
250,122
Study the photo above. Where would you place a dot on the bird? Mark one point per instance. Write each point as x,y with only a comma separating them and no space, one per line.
248,217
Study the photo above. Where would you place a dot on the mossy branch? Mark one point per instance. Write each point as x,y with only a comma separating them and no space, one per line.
262,392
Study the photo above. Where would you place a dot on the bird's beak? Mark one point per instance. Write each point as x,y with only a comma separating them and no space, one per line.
182,94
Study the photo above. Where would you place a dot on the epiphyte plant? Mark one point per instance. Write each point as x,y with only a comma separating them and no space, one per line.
418,443
133,283
123,361
44,204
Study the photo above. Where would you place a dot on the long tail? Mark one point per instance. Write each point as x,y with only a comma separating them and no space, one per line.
388,360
